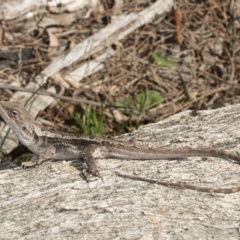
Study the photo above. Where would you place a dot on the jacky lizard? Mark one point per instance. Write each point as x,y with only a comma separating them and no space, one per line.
47,144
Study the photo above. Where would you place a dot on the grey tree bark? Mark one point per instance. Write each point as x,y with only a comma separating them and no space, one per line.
52,201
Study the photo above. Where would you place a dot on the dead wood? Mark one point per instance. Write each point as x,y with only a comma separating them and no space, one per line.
52,201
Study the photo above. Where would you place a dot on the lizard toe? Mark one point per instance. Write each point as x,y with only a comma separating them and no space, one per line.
27,164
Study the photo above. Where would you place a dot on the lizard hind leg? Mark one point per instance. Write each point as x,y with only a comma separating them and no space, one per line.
90,161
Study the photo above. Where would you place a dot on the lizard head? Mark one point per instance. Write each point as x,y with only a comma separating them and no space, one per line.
19,120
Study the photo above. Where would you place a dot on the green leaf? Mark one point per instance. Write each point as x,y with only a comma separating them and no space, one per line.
127,102
163,62
148,99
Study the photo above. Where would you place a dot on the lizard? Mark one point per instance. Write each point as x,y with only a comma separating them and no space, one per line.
47,144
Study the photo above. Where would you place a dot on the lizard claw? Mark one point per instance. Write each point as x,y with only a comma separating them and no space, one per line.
86,173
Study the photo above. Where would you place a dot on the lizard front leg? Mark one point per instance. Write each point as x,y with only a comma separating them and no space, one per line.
46,155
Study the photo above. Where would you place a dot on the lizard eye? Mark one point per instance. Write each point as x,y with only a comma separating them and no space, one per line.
14,113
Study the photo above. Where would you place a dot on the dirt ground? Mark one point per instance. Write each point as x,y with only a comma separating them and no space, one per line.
188,60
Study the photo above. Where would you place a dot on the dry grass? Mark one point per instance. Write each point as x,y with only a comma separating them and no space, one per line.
206,76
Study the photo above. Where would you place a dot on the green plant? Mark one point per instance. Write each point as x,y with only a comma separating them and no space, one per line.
163,62
89,122
23,158
148,99
38,17
143,101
